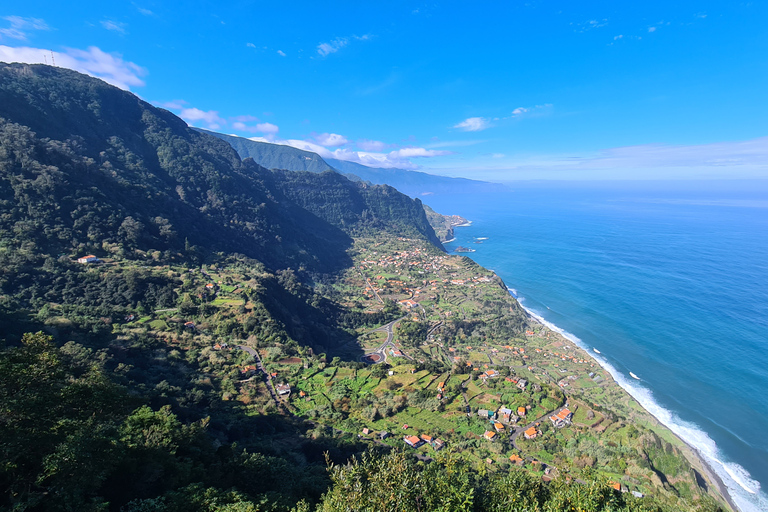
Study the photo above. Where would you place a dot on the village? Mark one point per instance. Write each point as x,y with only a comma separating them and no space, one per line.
449,375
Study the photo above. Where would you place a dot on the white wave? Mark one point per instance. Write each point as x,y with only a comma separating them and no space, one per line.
449,241
466,224
741,487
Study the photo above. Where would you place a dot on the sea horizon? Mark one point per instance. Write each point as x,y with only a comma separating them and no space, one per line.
570,254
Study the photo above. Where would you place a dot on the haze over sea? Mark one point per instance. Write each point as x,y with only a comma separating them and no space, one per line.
668,280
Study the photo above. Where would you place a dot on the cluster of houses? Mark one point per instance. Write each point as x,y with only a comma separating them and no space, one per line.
409,260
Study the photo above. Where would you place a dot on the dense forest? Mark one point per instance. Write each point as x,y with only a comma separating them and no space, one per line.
99,411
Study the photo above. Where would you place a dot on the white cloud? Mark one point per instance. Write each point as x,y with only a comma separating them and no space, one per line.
110,67
281,53
245,119
20,26
173,105
330,139
268,128
534,111
651,29
114,26
210,118
498,155
145,12
473,124
418,153
399,158
250,45
325,49
720,160
590,24
616,38
370,145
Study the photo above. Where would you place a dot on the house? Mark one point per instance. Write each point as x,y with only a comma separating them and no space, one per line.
209,286
438,444
491,374
366,431
515,459
302,394
283,389
483,413
384,434
189,325
413,441
441,386
88,259
426,438
521,411
490,435
522,383
562,418
498,426
531,433
505,414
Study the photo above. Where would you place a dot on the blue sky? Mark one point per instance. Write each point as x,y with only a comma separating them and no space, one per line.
492,90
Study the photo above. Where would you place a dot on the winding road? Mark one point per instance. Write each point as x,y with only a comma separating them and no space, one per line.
381,350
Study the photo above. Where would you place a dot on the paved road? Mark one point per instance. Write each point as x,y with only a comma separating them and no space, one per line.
389,343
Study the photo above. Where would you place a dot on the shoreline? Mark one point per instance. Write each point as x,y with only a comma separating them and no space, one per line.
697,460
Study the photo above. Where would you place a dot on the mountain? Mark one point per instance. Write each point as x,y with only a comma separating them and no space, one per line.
412,183
88,167
274,156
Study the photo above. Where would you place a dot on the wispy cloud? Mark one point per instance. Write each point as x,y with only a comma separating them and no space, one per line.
330,139
473,124
588,25
114,26
110,67
209,118
325,49
19,27
281,53
144,11
400,158
534,111
720,160
371,145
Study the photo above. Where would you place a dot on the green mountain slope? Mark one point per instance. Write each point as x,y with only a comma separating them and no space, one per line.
412,183
89,167
274,156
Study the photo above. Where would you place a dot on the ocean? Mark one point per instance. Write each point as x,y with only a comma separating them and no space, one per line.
668,280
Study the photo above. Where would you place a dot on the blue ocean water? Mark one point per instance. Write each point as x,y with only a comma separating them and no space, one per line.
668,280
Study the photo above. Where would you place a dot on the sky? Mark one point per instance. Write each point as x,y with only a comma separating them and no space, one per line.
497,91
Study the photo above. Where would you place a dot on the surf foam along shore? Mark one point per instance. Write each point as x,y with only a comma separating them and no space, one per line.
736,484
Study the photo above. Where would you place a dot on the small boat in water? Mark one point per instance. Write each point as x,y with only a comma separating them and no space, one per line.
634,376
596,351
